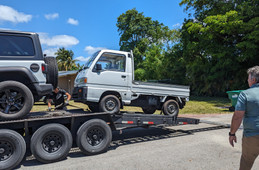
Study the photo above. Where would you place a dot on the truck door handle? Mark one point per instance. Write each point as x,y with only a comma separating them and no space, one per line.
123,76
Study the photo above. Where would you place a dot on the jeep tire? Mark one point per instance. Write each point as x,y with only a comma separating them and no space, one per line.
16,100
52,71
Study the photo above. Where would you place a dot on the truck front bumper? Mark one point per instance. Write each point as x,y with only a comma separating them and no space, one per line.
80,94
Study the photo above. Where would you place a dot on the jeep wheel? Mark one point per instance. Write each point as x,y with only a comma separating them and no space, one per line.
52,71
16,100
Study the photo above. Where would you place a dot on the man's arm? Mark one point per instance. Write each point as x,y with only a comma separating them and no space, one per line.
235,124
68,96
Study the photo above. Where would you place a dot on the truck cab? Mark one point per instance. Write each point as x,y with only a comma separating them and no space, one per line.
106,83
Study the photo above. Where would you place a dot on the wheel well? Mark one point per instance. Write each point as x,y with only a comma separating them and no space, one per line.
112,93
19,77
181,105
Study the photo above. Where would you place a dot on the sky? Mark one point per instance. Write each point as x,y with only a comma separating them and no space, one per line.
83,26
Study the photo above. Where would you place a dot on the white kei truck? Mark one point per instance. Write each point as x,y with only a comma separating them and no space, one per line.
106,84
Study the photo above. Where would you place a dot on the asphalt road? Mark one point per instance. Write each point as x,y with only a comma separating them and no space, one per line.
195,147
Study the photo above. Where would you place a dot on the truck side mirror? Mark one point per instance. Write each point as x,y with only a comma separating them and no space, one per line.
98,67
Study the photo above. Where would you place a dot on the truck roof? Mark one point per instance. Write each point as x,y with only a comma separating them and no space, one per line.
114,51
16,32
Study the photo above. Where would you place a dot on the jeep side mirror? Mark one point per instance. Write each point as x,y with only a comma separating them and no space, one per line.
98,67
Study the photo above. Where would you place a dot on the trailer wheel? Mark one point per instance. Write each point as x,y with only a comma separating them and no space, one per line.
51,143
110,104
94,137
149,109
171,108
16,100
12,149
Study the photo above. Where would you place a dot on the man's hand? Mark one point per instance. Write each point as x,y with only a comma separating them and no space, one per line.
232,139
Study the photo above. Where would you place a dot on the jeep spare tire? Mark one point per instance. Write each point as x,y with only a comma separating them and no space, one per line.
52,71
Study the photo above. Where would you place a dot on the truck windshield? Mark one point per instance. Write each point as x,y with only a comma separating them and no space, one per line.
90,61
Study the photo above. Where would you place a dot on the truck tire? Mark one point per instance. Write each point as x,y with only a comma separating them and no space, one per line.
51,143
16,100
109,104
171,107
12,149
149,109
94,137
52,71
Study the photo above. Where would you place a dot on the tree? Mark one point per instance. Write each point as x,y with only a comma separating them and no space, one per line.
219,44
148,39
65,60
138,33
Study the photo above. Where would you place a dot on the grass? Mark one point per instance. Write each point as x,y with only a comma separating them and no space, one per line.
196,105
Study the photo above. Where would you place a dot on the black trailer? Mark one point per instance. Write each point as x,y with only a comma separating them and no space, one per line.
49,136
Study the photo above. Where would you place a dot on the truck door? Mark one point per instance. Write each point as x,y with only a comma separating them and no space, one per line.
113,76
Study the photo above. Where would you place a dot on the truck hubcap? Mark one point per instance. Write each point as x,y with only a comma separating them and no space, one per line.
110,105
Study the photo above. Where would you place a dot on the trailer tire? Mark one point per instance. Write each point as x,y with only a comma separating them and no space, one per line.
94,137
51,143
16,100
171,107
149,109
12,149
110,104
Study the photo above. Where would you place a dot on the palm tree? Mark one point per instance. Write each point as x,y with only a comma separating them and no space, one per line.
65,59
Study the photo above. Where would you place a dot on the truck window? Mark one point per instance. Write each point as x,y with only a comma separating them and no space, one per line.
91,60
112,62
16,46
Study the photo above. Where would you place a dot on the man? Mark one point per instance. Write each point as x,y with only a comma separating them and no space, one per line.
247,108
58,98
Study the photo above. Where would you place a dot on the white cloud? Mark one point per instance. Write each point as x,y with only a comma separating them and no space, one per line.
178,25
9,14
72,21
81,58
50,51
51,16
91,50
58,40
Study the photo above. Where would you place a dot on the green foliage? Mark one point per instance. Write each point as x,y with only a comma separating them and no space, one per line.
220,44
138,33
65,60
148,39
211,52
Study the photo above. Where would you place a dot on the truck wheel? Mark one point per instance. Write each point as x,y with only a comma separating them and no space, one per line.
16,100
149,109
110,104
171,108
51,143
94,137
52,71
12,149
